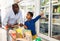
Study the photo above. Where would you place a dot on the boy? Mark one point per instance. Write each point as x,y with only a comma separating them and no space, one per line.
30,23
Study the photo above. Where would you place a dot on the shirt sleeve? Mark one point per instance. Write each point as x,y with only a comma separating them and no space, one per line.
24,23
21,19
5,21
35,19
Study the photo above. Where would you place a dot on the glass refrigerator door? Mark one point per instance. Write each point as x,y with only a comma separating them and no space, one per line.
56,19
0,17
44,7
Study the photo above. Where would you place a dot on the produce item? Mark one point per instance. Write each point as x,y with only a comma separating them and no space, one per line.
43,20
55,10
58,10
19,33
46,1
15,27
28,35
55,1
59,0
38,39
12,33
53,20
42,2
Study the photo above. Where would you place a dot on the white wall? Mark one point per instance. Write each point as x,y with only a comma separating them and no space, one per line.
4,6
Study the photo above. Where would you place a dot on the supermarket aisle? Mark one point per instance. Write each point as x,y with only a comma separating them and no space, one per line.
43,24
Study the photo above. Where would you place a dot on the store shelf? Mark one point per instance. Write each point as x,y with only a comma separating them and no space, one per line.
52,23
43,6
56,23
56,13
43,18
53,3
44,22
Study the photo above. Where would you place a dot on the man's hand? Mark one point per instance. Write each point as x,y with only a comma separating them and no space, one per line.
12,26
21,24
6,27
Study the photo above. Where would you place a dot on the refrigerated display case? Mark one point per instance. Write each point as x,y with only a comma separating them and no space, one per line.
50,25
44,21
56,20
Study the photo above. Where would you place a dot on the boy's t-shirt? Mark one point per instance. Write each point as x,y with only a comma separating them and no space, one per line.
31,24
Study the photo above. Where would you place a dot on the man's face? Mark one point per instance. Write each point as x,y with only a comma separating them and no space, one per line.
15,9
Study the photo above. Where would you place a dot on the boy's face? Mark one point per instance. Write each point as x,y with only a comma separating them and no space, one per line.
28,16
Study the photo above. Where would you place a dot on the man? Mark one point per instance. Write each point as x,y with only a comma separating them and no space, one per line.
13,17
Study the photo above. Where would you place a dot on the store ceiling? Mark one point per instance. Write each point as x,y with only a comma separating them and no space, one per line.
7,3
26,2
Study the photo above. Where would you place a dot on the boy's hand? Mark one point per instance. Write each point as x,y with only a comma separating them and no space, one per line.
41,13
25,26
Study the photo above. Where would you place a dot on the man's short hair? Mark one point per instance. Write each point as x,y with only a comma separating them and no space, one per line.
15,4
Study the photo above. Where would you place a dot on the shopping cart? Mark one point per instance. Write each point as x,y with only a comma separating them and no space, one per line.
14,38
13,34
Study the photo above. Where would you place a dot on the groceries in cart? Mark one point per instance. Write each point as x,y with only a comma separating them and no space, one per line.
20,34
12,33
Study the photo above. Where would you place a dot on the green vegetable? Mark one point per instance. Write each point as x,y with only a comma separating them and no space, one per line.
58,10
38,39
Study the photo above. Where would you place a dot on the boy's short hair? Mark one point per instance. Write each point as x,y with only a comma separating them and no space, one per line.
31,13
